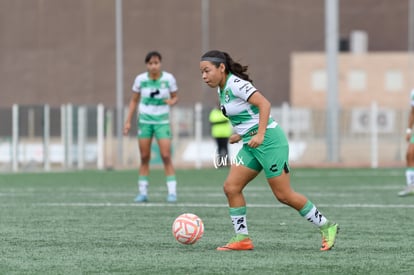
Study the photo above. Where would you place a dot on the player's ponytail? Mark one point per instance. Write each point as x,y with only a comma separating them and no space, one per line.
218,57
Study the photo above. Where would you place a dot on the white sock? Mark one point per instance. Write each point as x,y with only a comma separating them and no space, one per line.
171,185
240,224
143,185
316,217
312,214
409,175
239,220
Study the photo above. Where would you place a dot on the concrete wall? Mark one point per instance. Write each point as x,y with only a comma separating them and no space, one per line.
374,68
59,51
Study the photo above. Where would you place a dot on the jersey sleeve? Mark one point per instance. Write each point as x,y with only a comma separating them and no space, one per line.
136,87
242,88
173,84
412,98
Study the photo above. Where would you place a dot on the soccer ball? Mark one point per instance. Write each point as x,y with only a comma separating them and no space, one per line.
187,228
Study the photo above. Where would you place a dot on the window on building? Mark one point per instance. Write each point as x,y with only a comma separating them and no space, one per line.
394,81
319,80
357,80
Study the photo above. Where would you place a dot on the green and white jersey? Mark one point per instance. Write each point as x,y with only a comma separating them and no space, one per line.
412,98
243,116
152,106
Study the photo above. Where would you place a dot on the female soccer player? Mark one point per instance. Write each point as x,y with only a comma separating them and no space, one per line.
155,90
409,172
265,147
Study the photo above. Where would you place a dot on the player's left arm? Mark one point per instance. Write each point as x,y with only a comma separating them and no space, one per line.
257,99
173,99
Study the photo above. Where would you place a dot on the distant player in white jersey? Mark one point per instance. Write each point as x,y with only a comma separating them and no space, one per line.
265,147
155,91
409,172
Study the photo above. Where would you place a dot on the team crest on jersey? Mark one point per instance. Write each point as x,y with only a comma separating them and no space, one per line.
226,96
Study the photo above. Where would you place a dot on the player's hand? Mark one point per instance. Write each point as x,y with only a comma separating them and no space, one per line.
256,140
127,127
171,101
234,138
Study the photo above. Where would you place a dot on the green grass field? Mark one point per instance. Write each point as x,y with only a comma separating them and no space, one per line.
87,223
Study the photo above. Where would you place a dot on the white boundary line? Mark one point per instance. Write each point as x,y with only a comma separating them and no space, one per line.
211,205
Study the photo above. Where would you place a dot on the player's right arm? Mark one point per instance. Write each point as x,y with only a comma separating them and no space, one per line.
234,138
410,124
133,102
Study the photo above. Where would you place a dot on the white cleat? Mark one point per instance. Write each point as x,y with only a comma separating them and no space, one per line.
408,191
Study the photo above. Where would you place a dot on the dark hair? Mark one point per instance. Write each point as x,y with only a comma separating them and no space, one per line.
152,54
217,57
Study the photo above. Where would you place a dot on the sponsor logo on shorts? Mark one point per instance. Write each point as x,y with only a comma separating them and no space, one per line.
273,168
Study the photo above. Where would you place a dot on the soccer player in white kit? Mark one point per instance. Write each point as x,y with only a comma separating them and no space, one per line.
265,147
155,91
409,172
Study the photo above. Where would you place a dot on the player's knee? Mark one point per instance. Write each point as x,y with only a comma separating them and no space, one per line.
230,189
145,158
166,158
